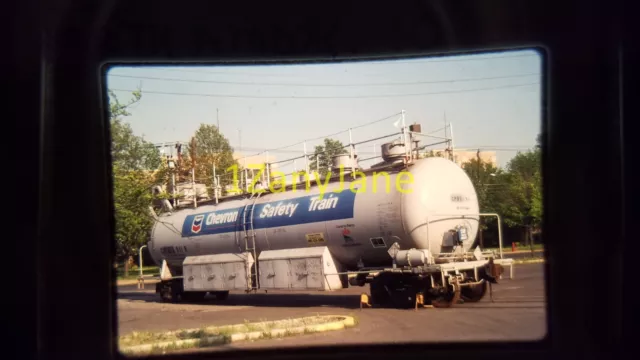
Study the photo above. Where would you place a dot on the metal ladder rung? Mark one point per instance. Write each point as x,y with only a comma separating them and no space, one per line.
252,235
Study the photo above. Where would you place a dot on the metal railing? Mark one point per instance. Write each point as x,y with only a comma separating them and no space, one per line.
406,136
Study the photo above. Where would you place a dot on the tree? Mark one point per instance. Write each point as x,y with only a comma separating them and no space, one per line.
324,154
128,151
515,192
486,179
132,198
525,188
132,157
211,148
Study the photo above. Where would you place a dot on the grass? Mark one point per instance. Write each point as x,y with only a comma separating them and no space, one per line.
213,335
519,246
529,260
356,320
134,272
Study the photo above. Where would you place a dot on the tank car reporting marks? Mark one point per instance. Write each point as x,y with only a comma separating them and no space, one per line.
315,238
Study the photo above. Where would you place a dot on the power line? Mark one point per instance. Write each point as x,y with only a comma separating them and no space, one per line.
432,60
334,134
327,97
169,143
400,60
326,85
493,148
220,72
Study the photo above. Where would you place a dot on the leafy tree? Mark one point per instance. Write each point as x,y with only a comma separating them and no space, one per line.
323,155
132,199
132,158
211,148
485,178
488,182
129,151
525,188
515,192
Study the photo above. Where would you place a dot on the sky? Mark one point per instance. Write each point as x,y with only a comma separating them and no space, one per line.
492,101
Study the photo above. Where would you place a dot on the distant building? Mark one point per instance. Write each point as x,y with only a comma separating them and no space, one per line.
254,161
462,156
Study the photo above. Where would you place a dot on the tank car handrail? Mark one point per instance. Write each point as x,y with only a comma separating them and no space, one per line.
463,216
482,214
253,240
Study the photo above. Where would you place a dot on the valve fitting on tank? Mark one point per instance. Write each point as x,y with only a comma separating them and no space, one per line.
455,237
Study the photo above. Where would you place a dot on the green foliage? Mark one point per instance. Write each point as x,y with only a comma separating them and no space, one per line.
484,176
525,188
128,151
515,192
132,199
323,154
131,152
132,157
211,148
433,153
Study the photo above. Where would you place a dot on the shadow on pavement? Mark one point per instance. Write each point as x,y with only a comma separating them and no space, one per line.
349,301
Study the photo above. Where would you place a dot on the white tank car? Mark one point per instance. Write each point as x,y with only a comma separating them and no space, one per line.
356,226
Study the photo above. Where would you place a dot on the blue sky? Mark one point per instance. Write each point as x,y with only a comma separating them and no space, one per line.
278,105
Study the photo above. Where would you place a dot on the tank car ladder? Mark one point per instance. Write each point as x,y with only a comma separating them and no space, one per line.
251,249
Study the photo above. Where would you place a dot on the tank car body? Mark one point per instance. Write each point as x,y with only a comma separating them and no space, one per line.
348,230
357,219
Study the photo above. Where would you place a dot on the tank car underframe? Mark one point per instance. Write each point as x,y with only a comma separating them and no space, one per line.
441,285
173,291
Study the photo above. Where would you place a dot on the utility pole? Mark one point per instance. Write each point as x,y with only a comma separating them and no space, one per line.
218,119
478,165
193,186
193,172
480,187
243,171
215,183
173,188
179,153
306,159
448,149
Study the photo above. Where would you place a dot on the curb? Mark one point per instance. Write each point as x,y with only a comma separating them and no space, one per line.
347,321
530,261
135,282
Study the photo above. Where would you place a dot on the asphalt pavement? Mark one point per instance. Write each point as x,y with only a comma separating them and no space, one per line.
517,312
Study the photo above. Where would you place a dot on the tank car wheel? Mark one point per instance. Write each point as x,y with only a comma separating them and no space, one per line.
165,296
397,291
446,300
379,294
222,295
169,292
473,293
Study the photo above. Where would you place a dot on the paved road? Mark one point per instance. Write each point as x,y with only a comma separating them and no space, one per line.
517,313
